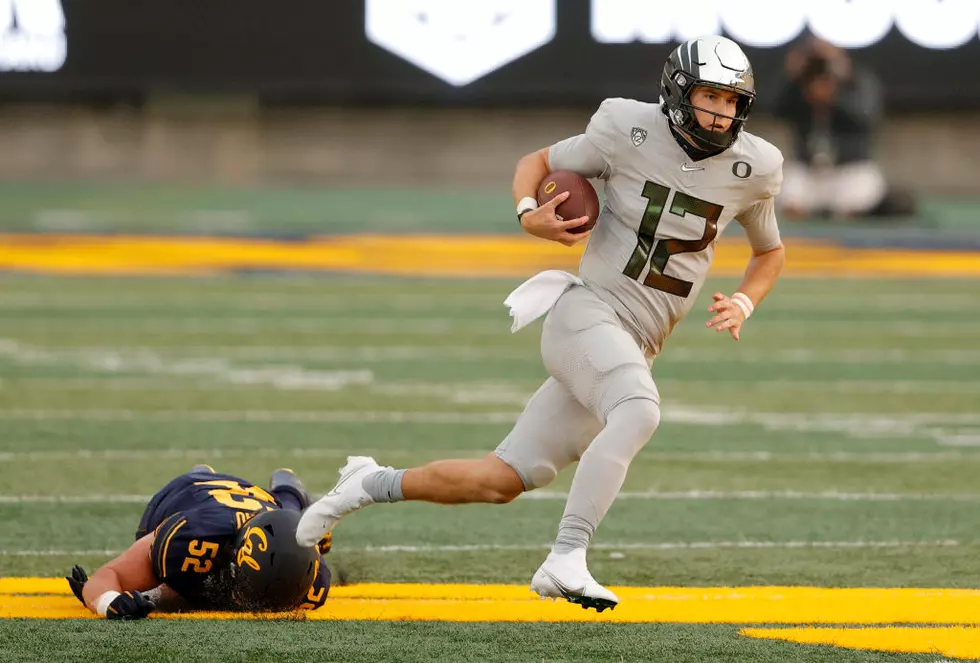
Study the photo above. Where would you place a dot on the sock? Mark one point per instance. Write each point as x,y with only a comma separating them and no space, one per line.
602,470
384,485
288,497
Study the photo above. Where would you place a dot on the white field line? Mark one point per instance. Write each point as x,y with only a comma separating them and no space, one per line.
490,547
266,324
843,457
828,495
548,495
245,302
151,363
952,429
74,499
262,416
317,299
223,370
186,374
673,545
400,326
835,386
369,353
845,355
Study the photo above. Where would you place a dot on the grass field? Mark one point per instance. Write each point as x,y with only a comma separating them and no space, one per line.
837,445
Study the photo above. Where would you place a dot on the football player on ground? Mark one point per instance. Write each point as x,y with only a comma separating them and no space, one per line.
676,174
210,541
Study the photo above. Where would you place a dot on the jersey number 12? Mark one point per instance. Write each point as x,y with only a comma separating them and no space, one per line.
656,195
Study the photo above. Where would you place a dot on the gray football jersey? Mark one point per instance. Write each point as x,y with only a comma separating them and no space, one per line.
654,240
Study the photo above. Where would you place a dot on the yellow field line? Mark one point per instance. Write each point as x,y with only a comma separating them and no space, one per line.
956,641
420,255
50,598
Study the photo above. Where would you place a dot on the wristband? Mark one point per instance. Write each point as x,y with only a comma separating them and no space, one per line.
742,300
526,204
102,603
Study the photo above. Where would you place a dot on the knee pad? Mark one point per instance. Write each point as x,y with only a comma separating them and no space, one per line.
636,414
535,470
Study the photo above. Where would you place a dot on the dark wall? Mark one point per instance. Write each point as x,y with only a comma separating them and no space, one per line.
315,51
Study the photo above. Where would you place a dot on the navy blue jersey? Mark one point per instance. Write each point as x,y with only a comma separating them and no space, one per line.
195,519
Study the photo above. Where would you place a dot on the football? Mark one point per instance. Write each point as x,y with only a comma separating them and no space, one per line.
582,199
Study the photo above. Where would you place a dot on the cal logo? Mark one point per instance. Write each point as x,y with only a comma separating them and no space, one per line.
245,552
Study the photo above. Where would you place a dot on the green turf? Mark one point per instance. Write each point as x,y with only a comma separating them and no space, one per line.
140,207
765,460
364,641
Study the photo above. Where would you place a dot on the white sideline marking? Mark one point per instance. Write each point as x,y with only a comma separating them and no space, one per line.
667,496
489,547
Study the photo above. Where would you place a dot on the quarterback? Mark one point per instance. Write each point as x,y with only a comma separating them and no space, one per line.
676,174
213,541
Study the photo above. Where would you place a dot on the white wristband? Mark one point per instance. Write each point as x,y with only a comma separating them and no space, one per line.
743,302
102,603
526,204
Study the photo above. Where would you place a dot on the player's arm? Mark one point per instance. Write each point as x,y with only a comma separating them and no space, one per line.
765,265
541,221
114,590
589,154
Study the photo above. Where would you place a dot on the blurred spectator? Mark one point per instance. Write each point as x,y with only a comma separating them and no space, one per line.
834,109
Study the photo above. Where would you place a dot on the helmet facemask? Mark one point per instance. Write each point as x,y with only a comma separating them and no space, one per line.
712,62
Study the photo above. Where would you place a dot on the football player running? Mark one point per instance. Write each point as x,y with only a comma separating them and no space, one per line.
217,542
676,174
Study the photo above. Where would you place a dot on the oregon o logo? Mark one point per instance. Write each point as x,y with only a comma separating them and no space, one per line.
741,169
550,186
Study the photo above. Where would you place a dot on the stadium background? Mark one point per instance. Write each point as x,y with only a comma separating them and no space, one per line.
196,207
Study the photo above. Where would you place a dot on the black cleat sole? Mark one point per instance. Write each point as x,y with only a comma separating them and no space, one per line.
588,602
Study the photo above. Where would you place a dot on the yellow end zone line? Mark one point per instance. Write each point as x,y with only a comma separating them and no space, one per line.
50,598
421,255
954,641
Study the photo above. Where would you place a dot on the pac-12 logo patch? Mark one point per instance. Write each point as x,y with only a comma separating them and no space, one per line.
638,135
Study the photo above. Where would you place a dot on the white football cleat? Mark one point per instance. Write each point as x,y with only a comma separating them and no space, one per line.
347,496
566,576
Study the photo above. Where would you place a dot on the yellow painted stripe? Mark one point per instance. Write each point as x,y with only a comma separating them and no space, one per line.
957,642
166,545
508,603
430,255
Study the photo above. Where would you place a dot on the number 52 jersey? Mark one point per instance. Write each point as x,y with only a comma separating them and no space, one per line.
654,241
196,518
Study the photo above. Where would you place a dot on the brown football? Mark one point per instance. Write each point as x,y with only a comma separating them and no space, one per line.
582,199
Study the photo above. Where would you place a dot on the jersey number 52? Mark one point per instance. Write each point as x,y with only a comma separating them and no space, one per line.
681,205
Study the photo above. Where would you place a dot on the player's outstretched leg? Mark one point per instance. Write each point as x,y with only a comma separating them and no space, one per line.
598,479
455,481
289,489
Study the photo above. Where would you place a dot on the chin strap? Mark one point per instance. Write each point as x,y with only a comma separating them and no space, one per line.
694,152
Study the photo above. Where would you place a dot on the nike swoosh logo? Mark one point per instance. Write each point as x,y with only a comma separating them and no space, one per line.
336,489
685,168
563,588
